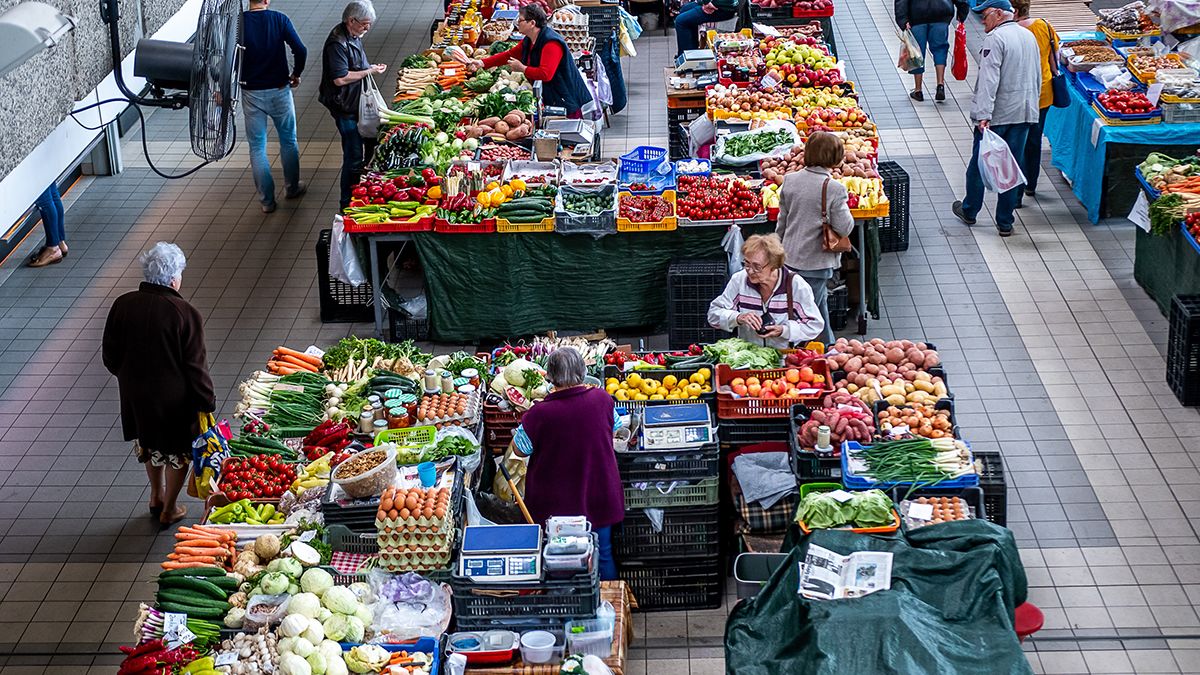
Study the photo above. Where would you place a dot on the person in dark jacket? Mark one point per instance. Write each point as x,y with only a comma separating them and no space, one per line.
343,67
543,56
929,21
693,14
568,438
267,85
154,344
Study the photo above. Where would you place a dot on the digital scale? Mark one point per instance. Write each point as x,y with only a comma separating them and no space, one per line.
695,60
499,553
682,426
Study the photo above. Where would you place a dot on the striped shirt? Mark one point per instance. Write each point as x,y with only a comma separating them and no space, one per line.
741,296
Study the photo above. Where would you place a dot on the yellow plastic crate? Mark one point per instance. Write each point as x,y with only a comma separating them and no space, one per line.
667,224
505,226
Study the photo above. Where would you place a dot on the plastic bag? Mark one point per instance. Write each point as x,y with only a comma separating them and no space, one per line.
959,66
732,244
719,152
265,610
997,165
368,108
700,131
407,606
474,517
209,450
343,258
469,462
911,57
630,30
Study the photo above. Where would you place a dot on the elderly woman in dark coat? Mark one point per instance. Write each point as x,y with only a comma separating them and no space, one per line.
568,438
154,344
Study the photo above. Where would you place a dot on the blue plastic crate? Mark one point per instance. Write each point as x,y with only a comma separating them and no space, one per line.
427,645
645,159
1151,193
1188,236
853,482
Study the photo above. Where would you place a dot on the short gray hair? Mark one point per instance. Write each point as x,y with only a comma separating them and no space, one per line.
565,368
163,264
362,10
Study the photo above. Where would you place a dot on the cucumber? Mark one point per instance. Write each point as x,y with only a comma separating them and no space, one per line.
225,583
183,597
194,572
525,216
194,612
200,586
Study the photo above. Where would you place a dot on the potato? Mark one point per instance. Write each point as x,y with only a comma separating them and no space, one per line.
916,357
871,368
895,355
502,127
931,358
877,358
877,341
515,134
854,364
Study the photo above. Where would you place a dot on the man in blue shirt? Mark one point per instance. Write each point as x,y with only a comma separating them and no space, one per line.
267,87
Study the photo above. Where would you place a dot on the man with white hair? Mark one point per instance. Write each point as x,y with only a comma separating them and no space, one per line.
344,66
1007,91
154,345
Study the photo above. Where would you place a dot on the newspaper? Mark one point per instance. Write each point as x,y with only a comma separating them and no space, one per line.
825,575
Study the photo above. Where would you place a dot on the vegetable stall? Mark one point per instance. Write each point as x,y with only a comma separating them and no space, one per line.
464,163
1167,243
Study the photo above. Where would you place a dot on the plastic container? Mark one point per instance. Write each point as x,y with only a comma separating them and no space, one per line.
425,645
491,647
676,465
643,159
567,565
371,482
685,532
729,407
590,637
752,570
810,488
972,497
427,473
667,224
537,647
853,482
691,583
665,495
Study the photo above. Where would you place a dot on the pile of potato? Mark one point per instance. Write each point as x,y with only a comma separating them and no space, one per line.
748,103
512,127
856,165
775,168
921,419
895,371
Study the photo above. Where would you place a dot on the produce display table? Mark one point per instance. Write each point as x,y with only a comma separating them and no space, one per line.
615,593
1166,266
1081,142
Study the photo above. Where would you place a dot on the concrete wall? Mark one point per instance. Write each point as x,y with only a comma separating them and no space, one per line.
36,97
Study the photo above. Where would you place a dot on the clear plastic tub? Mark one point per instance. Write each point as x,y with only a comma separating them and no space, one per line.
568,545
537,647
371,482
559,566
563,526
590,637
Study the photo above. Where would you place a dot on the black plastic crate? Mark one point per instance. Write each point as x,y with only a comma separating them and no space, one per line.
340,302
772,16
676,465
995,488
516,624
893,228
838,301
686,532
751,431
403,327
697,280
696,583
577,596
973,496
1183,349
809,467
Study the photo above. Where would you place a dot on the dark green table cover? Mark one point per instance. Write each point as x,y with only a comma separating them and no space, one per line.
949,610
1166,266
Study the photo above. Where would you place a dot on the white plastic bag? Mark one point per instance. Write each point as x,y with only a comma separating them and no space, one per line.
700,132
368,108
719,152
343,258
997,166
732,244
911,56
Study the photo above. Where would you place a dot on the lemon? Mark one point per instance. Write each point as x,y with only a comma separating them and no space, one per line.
704,373
670,381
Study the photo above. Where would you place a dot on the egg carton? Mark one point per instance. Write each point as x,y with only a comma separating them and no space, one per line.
420,524
409,561
469,418
430,541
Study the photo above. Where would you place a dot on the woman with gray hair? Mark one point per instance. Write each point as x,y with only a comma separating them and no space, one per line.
154,345
568,438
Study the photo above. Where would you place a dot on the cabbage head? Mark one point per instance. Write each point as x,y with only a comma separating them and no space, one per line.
274,583
316,581
305,604
340,600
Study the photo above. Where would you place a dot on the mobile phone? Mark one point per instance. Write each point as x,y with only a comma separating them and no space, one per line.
767,322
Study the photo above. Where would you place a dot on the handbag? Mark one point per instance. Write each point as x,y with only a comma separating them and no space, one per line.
959,67
831,241
209,451
1058,81
368,108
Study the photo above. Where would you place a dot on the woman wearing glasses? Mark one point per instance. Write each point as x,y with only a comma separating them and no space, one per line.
766,301
543,56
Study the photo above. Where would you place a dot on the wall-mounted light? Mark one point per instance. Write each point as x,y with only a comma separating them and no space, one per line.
27,29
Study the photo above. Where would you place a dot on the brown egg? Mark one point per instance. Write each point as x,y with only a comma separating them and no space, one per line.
439,513
393,514
385,504
411,502
404,514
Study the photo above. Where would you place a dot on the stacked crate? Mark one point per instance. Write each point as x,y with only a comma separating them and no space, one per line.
603,23
340,302
677,566
893,228
1183,349
677,119
691,287
499,425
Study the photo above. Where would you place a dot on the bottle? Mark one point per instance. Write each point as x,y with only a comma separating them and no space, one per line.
447,382
366,422
823,446
472,375
431,380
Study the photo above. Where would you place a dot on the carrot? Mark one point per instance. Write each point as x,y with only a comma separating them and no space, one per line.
309,358
277,369
207,559
297,363
220,534
197,540
176,565
206,552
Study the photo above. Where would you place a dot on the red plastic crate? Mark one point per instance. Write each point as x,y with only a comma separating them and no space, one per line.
798,13
420,225
486,226
729,407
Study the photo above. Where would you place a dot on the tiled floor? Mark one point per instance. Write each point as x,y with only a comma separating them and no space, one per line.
1039,333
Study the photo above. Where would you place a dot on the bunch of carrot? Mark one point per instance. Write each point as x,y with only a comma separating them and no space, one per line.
452,74
286,361
202,546
403,663
1189,184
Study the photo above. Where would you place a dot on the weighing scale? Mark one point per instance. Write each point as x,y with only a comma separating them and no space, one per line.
500,553
695,60
682,426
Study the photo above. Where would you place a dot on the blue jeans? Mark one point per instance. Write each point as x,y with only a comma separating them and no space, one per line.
608,566
276,105
1031,164
356,152
53,216
935,36
1014,136
687,24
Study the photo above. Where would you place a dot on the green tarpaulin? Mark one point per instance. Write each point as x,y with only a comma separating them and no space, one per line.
482,286
949,610
1166,266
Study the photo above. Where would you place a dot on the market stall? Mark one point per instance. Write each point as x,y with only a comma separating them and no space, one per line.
1129,96
1167,245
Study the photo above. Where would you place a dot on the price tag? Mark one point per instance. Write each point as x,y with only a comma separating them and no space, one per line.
314,350
847,406
1153,92
920,511
172,622
451,72
841,495
1140,215
175,630
289,387
900,430
768,81
225,659
307,536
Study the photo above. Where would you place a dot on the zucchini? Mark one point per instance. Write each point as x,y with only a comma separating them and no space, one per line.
184,597
200,586
194,572
525,216
194,612
534,202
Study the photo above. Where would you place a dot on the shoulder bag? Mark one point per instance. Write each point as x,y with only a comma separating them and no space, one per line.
831,241
1058,81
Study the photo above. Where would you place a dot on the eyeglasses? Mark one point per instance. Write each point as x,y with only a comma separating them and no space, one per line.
754,268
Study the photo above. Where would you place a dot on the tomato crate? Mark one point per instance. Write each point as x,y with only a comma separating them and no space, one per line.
801,13
414,224
485,226
1111,116
667,224
730,406
683,533
505,226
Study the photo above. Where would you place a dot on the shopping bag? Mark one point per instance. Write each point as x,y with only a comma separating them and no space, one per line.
368,108
997,165
958,67
209,451
343,258
911,56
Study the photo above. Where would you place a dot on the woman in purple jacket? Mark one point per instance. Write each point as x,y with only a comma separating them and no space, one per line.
568,438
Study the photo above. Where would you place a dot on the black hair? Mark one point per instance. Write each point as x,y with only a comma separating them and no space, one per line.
534,13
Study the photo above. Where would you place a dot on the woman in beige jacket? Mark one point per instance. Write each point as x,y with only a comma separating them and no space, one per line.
799,221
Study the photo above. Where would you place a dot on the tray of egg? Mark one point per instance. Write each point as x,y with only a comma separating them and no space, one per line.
442,410
945,509
415,528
